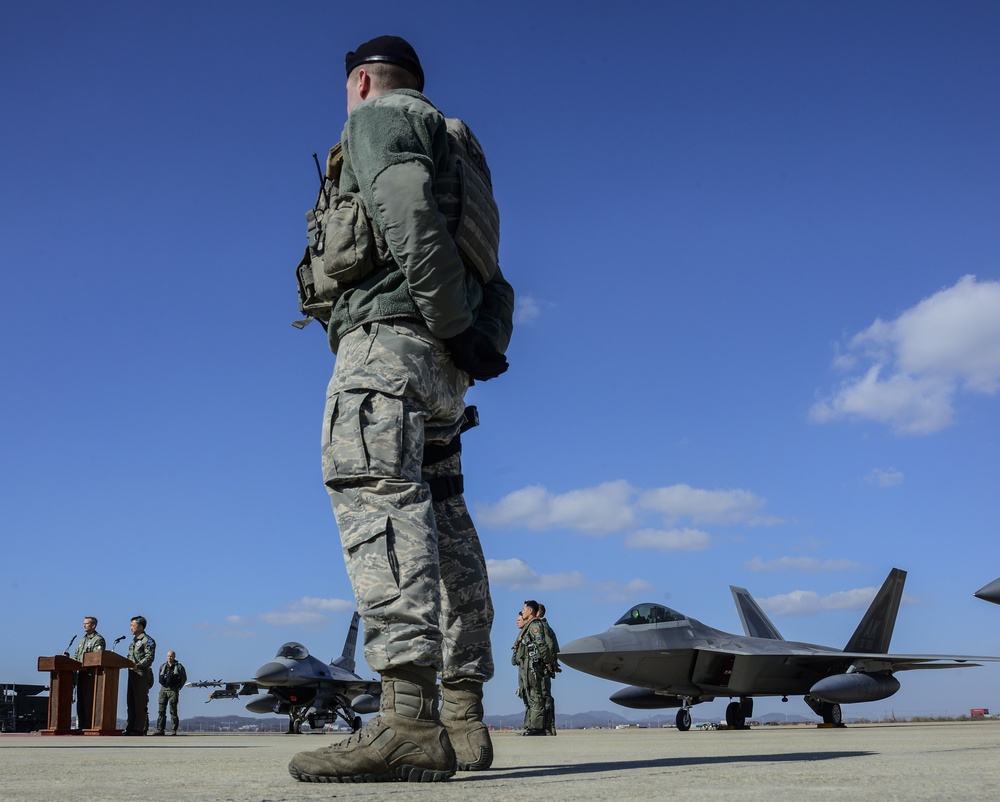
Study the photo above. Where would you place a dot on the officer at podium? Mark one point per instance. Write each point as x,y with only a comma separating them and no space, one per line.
92,641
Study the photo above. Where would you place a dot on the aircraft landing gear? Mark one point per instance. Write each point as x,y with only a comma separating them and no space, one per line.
684,719
356,723
737,713
830,713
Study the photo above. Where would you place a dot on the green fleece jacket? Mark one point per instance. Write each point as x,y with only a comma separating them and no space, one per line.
394,145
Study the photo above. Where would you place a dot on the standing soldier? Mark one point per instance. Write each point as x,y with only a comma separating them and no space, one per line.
93,641
172,679
142,652
518,658
551,671
419,312
539,661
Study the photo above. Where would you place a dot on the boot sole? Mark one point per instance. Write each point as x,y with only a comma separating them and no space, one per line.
482,763
404,773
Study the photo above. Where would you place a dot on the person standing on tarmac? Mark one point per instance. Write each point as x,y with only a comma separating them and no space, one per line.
142,652
93,641
551,671
410,336
172,678
539,658
518,658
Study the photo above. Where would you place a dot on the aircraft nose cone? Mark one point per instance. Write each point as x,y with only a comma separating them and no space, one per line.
275,673
583,653
990,592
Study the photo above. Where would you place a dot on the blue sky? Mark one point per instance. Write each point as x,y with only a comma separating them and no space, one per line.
758,330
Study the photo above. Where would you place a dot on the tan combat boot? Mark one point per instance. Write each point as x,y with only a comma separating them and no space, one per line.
404,742
462,716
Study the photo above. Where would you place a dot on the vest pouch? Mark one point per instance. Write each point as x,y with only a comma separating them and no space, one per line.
478,232
317,293
349,252
463,192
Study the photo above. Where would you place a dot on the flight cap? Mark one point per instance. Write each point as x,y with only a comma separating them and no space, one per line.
389,50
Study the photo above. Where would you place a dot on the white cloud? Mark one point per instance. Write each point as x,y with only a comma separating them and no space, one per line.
526,310
517,574
596,510
801,564
669,540
619,507
293,618
705,506
918,363
563,581
308,611
808,602
630,592
884,478
326,605
235,627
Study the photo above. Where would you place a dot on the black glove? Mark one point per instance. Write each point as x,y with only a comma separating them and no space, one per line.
474,353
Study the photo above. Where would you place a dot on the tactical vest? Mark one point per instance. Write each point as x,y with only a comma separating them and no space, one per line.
345,247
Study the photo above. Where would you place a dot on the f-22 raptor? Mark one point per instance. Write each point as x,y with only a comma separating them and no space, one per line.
675,661
305,689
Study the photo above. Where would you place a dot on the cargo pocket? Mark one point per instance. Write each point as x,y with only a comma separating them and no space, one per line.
372,567
363,437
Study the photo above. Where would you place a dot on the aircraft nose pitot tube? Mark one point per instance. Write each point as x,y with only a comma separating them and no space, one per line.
855,687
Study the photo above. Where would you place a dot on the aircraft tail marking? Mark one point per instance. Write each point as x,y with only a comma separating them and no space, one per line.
346,660
875,630
755,623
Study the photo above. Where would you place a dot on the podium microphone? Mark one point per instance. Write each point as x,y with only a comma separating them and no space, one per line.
66,652
117,641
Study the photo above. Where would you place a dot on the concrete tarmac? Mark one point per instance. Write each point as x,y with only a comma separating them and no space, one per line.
946,761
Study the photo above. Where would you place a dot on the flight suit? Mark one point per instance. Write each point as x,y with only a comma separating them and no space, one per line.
142,652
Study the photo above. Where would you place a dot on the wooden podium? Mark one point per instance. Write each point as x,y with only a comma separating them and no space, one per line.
104,667
60,670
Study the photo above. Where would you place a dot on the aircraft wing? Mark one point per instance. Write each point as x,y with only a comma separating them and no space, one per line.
807,654
227,690
783,667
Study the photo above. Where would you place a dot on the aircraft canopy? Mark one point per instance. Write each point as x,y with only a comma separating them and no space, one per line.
648,613
293,651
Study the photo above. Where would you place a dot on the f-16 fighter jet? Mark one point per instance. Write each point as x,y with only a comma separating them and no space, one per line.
305,689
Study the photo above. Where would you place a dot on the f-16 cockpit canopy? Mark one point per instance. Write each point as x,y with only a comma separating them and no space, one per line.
293,651
647,613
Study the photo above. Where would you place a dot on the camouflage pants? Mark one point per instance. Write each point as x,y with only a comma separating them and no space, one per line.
168,696
539,690
416,566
